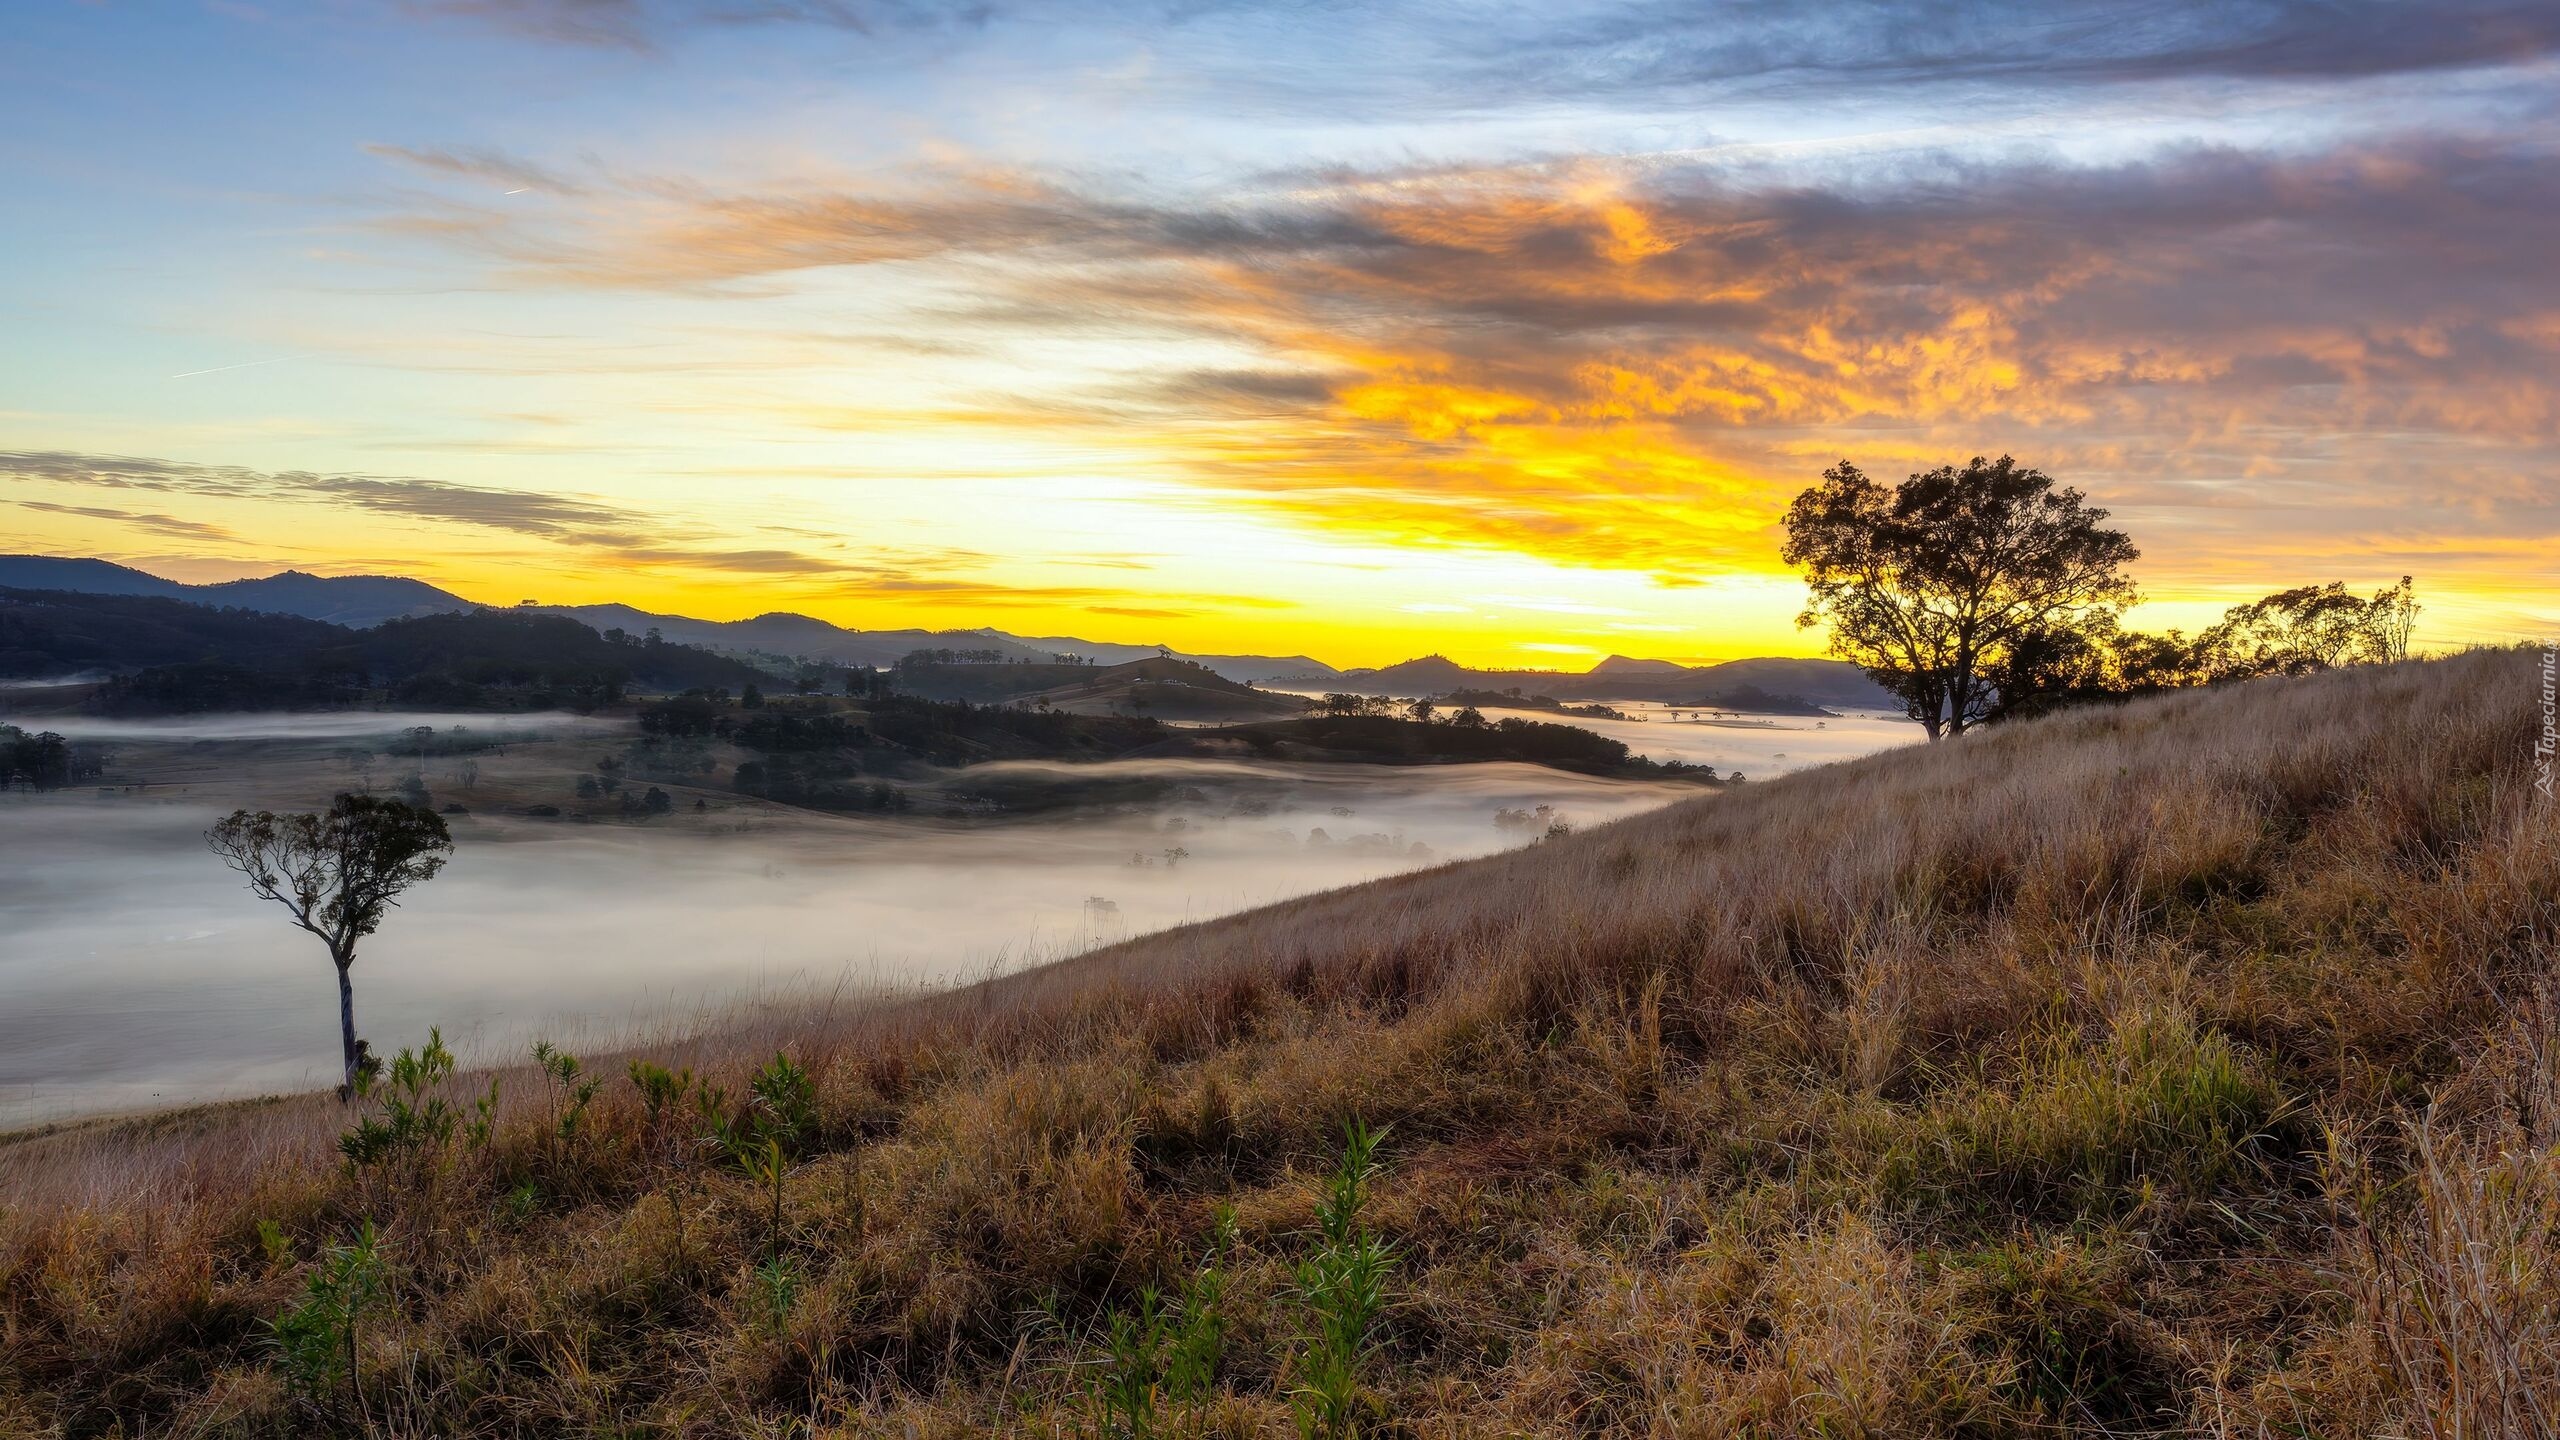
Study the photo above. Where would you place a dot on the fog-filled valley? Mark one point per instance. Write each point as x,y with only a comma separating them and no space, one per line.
140,972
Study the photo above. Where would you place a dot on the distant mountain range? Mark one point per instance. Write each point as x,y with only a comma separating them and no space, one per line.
353,600
161,655
362,601
367,600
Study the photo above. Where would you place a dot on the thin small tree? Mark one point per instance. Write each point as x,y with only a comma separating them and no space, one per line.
336,873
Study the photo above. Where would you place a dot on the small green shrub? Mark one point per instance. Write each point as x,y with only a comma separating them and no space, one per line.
482,1128
660,1089
773,1291
274,1244
787,1101
570,1095
415,1115
1342,1290
316,1340
1165,1351
764,1139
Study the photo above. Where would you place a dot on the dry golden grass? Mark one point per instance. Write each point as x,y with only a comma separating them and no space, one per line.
2184,1068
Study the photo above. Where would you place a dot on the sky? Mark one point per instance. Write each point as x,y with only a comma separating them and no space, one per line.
1500,330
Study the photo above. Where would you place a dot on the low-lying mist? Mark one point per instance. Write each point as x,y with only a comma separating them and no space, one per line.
324,725
137,970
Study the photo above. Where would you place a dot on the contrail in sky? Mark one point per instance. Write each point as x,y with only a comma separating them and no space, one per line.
243,365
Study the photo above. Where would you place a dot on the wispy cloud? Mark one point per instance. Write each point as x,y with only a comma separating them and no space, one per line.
594,532
157,524
551,517
646,24
2035,44
1405,54
491,166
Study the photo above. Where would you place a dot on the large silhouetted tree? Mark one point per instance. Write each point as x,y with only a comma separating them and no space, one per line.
336,873
1943,585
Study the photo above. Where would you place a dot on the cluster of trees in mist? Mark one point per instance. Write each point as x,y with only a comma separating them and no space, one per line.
808,753
943,655
1986,592
1458,707
46,761
1363,727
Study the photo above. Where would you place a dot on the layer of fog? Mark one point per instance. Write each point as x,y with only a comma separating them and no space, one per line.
137,970
1758,746
381,725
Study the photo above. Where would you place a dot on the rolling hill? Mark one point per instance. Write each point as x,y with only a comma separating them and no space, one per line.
354,600
1166,689
2146,1069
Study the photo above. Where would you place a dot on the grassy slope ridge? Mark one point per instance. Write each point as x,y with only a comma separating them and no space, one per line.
2187,1067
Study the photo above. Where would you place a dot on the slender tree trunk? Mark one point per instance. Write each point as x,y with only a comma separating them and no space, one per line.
347,1020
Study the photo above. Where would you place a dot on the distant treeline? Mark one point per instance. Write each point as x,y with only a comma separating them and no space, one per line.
1466,736
172,657
46,761
810,753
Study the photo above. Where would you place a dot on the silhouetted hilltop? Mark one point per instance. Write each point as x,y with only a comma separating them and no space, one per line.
177,656
357,600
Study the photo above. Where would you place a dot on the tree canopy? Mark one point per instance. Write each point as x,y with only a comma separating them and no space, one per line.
2310,628
1956,581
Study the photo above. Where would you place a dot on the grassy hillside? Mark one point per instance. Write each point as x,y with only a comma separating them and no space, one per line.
2188,1067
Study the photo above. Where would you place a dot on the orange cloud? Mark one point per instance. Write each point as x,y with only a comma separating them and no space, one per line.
1633,366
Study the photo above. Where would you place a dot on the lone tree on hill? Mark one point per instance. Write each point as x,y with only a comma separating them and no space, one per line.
1942,585
336,873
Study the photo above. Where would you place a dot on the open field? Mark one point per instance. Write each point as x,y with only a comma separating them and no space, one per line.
2188,1067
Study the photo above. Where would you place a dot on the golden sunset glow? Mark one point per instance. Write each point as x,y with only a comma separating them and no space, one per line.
1109,350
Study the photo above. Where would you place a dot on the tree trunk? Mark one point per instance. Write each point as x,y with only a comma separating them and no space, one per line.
347,1022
